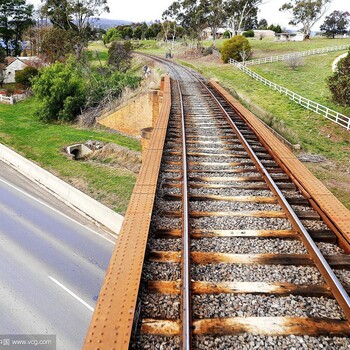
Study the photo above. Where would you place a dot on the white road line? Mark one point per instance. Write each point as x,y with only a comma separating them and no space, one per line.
72,294
55,210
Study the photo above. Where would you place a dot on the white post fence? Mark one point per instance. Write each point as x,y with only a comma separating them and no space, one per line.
296,54
12,99
6,99
334,116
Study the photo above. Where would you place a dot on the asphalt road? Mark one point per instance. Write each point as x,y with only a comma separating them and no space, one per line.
52,263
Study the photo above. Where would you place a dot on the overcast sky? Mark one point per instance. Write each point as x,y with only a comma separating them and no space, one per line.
147,10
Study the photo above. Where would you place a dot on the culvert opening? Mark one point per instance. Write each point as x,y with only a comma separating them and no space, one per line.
75,153
78,151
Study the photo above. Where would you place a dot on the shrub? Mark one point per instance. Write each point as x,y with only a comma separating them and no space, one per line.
249,33
10,90
207,51
294,62
237,48
60,91
339,82
24,77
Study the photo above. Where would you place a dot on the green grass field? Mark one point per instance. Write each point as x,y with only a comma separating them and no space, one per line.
44,144
271,47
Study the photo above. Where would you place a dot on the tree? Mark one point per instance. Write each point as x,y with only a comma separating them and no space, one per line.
214,15
262,24
2,65
190,14
140,31
15,18
336,23
25,76
240,13
56,44
237,47
75,16
2,54
60,91
276,28
339,82
119,56
306,12
113,34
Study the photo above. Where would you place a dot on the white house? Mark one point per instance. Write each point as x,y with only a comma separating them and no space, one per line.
264,33
14,64
291,36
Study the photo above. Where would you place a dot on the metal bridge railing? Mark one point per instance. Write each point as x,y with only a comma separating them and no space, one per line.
330,114
296,54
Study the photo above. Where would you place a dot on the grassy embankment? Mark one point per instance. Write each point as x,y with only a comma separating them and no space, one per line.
314,133
43,143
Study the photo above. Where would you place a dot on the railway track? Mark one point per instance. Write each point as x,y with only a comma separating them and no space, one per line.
230,252
236,258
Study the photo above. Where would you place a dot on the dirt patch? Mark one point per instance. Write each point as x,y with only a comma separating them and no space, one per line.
116,156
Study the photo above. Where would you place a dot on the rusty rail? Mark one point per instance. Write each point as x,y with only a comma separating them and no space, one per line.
111,326
112,321
338,291
186,338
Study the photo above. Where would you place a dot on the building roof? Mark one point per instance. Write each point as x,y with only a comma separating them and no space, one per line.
9,60
30,60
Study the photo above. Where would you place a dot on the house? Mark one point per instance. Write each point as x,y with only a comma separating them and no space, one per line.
264,33
14,64
291,36
208,34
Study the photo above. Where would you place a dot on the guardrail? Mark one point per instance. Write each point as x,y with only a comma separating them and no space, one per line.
296,54
330,114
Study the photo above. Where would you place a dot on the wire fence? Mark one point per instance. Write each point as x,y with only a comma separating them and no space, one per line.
330,114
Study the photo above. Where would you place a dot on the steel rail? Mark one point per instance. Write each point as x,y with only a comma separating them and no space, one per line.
337,289
186,336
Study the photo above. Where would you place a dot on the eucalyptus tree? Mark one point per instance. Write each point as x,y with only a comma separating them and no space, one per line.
75,16
336,23
240,13
15,18
306,12
190,14
169,25
214,15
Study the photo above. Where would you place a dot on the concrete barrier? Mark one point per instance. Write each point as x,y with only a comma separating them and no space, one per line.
65,192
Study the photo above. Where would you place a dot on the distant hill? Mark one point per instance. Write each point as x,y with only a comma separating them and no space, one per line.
105,23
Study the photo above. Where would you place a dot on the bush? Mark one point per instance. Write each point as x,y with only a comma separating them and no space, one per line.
207,51
294,62
249,33
237,48
60,91
10,90
339,82
25,76
120,55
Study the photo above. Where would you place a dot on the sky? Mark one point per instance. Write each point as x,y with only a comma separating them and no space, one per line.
147,10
